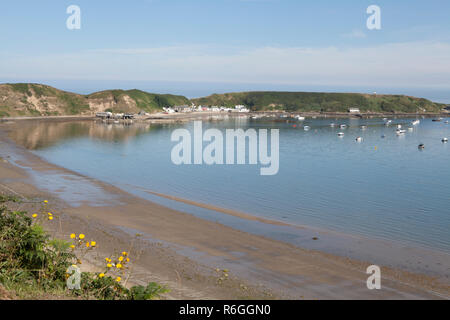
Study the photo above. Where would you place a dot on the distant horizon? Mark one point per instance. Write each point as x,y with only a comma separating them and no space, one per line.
192,90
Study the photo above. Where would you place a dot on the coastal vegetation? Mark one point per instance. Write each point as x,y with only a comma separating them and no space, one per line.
27,99
24,99
144,101
34,265
322,102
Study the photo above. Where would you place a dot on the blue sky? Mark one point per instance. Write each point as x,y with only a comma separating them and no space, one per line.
203,46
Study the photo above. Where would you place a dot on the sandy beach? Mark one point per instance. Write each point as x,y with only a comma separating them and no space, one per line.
184,251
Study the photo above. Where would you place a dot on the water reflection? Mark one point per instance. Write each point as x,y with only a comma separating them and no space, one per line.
36,135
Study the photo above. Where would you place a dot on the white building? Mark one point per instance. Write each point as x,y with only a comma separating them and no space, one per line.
241,108
169,110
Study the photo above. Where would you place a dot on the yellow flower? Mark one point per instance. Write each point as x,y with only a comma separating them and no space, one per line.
87,244
34,215
120,259
118,279
124,253
50,214
72,246
50,218
73,236
128,260
101,275
81,236
109,265
45,201
93,243
119,266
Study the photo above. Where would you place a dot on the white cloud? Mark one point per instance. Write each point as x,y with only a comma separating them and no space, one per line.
423,64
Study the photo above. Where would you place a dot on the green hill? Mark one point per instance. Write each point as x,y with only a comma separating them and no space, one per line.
26,99
326,102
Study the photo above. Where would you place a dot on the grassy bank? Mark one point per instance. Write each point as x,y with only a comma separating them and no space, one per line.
34,265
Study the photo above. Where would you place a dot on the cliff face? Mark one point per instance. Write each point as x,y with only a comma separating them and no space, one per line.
24,99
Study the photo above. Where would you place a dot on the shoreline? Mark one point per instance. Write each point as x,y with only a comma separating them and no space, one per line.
274,263
194,115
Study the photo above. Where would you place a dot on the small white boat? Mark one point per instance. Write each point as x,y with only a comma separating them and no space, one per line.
399,126
446,122
332,125
300,118
415,122
388,122
363,127
444,140
343,126
340,134
306,128
359,139
410,129
400,132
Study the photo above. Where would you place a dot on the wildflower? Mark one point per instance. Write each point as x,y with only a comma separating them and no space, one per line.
119,266
50,214
101,275
72,246
120,259
93,243
87,244
50,218
109,265
81,236
73,236
118,279
124,253
107,259
128,260
45,201
34,215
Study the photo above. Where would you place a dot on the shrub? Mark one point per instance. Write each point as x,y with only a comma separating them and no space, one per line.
30,258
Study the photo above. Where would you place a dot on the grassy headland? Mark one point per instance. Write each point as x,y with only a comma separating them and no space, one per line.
322,102
25,99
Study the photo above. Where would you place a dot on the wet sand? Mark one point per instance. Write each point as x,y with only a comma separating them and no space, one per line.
183,251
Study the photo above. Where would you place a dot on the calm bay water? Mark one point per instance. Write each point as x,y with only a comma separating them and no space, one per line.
381,188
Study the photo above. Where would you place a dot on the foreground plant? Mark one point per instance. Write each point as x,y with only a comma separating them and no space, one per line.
29,258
